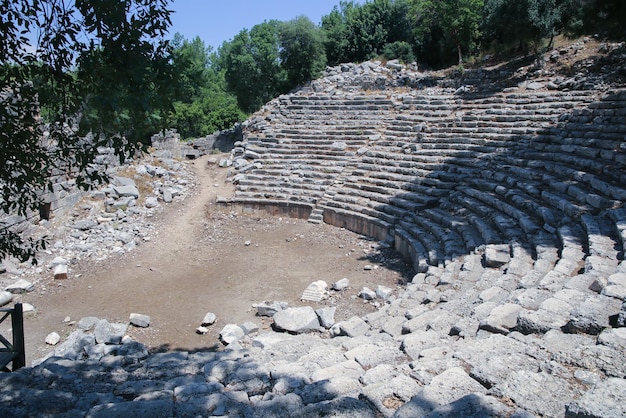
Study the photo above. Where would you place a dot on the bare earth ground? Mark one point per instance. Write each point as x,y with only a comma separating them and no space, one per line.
199,262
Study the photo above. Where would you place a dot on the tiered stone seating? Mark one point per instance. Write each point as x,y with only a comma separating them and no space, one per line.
445,175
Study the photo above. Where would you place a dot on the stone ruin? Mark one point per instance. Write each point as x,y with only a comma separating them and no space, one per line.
506,192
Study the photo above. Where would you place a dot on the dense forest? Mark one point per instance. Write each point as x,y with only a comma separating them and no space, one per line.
88,74
273,57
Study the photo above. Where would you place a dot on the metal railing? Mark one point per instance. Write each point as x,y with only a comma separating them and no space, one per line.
13,352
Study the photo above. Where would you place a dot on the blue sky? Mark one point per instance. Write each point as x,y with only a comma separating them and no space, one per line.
218,21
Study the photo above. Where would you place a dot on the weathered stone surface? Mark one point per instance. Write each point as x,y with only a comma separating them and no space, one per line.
449,386
537,392
163,408
297,320
367,294
270,308
139,320
614,338
497,255
20,286
209,319
340,285
231,333
108,333
85,224
437,320
326,316
474,405
606,399
127,191
383,292
592,316
53,338
151,202
5,298
502,318
353,327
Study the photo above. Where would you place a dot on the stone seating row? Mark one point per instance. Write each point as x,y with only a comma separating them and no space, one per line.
450,174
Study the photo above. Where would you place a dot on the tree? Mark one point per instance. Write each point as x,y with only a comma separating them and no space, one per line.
521,22
203,104
252,65
301,51
75,76
359,32
458,21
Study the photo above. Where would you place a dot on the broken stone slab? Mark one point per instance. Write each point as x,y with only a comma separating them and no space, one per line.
270,308
85,224
151,202
123,181
367,294
616,286
87,323
126,191
209,319
326,316
606,399
109,333
298,320
231,333
249,328
315,292
59,260
21,286
139,320
497,255
353,327
53,338
340,285
383,292
593,315
614,338
502,319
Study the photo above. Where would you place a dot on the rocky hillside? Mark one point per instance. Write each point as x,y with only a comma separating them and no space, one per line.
505,187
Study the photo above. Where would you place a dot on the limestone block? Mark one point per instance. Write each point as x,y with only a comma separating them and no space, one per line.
502,318
497,255
449,386
60,272
606,399
297,320
326,316
209,319
231,333
139,320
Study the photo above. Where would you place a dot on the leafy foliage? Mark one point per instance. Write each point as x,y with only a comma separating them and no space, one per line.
358,32
302,52
399,50
453,24
204,106
270,59
68,71
252,66
522,22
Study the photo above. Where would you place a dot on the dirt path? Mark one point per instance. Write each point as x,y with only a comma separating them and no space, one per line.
199,262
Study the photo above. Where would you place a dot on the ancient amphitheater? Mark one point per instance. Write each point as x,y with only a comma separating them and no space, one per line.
506,192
